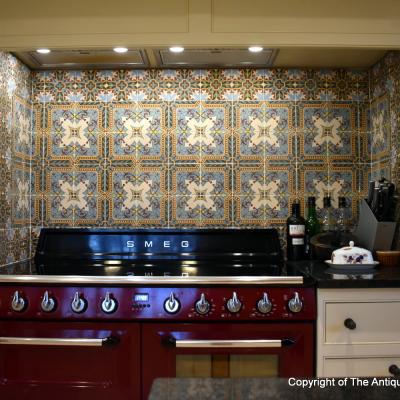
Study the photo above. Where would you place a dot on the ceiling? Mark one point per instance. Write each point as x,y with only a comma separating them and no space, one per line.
288,57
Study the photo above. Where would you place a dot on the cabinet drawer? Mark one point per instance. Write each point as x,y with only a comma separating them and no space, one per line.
363,366
376,322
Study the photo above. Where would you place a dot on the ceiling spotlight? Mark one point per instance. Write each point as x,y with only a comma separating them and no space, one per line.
176,49
255,49
43,51
120,49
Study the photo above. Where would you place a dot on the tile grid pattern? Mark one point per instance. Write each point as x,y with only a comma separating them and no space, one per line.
15,159
194,147
181,148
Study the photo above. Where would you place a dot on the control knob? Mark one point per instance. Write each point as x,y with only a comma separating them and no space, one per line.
79,304
109,305
18,303
234,304
202,306
48,304
171,304
295,304
264,305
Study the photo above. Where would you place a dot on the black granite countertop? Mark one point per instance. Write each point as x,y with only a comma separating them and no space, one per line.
356,277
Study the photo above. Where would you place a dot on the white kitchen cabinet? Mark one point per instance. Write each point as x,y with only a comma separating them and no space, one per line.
370,343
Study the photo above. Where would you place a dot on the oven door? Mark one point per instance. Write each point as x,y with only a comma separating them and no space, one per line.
226,350
69,360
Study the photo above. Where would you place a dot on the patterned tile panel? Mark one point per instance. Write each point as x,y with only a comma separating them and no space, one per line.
200,131
263,130
138,197
137,131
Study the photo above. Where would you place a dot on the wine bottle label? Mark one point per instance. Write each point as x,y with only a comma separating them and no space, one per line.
297,241
297,230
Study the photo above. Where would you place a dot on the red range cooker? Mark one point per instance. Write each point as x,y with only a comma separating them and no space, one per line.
107,311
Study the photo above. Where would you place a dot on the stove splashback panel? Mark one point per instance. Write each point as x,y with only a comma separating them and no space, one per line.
227,246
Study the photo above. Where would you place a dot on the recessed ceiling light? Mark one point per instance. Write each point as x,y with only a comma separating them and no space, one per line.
43,51
176,49
255,49
120,49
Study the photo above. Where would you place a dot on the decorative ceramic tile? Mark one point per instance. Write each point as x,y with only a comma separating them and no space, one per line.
200,131
138,131
138,197
72,196
74,131
23,184
328,130
22,127
262,196
335,183
263,130
379,128
200,197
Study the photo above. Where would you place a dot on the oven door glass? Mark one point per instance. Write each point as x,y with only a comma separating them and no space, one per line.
226,365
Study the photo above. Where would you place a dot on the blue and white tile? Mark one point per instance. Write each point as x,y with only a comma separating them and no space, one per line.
138,130
328,129
379,124
201,198
263,129
138,197
74,131
262,195
329,183
22,127
200,130
72,196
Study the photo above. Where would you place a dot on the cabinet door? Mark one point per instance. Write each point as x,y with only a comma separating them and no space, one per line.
375,322
361,366
78,369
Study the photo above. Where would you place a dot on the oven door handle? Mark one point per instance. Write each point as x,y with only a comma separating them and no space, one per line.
34,341
255,344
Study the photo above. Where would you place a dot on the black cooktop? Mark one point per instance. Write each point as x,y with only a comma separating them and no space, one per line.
159,252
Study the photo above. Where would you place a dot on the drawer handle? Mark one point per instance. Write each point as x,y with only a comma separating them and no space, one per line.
350,324
193,344
33,341
394,370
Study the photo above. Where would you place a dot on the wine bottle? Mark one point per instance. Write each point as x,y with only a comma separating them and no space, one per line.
326,215
295,234
312,225
341,225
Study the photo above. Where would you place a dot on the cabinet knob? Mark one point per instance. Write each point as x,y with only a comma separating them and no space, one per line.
394,370
350,324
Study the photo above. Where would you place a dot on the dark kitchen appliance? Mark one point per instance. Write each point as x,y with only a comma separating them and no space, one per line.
111,310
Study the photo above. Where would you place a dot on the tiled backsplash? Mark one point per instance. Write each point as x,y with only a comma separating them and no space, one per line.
182,148
15,145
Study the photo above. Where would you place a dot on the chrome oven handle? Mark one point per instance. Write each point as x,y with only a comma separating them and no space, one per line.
255,344
34,341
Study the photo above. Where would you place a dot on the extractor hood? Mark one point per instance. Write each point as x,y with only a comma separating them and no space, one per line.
202,58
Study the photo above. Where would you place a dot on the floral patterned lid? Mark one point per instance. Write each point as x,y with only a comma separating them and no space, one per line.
352,255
